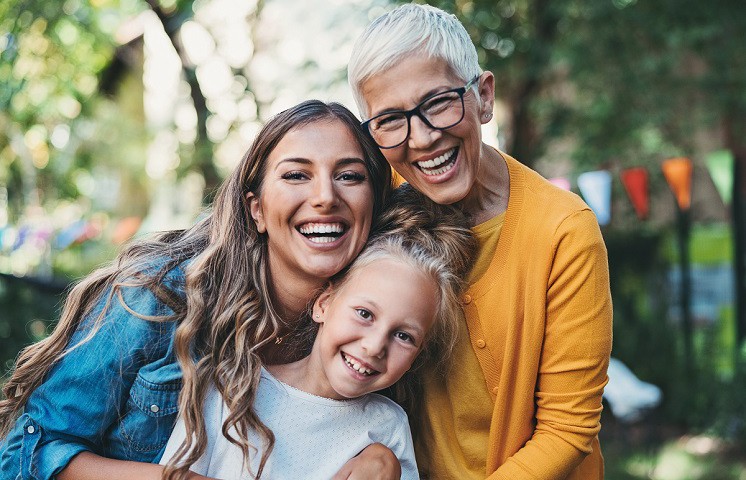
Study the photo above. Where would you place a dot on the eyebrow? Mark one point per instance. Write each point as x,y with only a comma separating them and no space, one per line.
306,161
429,93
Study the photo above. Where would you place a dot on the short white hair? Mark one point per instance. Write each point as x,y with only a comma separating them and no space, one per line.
406,30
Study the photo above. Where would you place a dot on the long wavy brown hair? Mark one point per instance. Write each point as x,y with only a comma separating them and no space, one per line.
227,313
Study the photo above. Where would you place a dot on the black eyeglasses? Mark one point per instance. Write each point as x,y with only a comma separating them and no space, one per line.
440,111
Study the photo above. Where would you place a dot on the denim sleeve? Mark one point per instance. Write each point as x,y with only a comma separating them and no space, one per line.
85,394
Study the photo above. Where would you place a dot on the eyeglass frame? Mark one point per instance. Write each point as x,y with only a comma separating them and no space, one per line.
408,114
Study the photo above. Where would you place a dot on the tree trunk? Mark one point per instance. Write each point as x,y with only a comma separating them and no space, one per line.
203,147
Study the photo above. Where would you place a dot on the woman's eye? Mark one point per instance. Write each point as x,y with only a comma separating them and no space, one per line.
439,103
364,314
390,122
293,176
351,177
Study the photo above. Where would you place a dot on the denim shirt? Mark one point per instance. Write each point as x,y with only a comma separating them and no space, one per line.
115,395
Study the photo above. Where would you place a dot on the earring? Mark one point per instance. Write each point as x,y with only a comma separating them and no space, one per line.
318,316
487,116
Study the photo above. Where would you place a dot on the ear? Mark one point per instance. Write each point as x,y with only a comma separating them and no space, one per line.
486,95
321,305
257,213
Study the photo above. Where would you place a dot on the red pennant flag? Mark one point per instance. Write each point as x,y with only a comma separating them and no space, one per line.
678,173
635,181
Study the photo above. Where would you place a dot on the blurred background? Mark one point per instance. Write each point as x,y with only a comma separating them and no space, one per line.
119,118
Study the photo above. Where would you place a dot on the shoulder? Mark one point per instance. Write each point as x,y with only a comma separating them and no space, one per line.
155,289
540,206
541,191
132,313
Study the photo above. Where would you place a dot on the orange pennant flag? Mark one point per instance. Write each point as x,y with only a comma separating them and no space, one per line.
678,173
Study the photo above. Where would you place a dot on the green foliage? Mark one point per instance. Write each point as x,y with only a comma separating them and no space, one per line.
52,56
26,313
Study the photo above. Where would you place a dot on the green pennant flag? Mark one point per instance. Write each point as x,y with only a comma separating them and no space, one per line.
720,165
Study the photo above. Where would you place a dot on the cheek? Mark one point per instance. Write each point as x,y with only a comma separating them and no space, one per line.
395,156
361,202
404,360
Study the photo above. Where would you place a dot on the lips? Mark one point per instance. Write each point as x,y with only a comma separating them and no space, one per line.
439,165
320,232
358,366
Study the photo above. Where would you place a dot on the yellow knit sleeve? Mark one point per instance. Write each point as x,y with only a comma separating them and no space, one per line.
574,357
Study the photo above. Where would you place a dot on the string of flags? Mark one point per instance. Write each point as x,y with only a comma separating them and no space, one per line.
40,234
595,186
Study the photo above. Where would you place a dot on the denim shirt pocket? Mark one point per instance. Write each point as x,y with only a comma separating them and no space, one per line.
150,415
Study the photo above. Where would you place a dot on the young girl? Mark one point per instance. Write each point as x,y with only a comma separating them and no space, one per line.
398,298
144,338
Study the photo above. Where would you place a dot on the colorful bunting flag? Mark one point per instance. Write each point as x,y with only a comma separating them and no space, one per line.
596,190
635,181
678,173
561,182
720,166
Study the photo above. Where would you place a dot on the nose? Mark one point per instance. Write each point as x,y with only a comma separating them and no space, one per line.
374,344
421,136
325,193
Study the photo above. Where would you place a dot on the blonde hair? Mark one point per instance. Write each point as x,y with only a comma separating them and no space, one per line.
435,240
410,29
227,313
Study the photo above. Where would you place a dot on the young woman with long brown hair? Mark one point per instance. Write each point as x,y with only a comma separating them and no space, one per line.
143,338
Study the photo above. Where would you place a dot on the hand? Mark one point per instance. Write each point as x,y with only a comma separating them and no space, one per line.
375,462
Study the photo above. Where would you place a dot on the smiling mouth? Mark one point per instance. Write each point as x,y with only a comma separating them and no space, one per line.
322,232
355,365
439,165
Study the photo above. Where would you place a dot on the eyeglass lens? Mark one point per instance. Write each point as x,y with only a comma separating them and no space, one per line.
440,111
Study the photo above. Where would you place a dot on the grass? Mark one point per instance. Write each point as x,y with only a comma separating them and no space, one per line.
648,450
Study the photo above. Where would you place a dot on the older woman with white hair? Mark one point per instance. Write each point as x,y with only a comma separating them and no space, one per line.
522,398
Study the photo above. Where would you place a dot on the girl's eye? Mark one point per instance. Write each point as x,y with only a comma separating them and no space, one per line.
351,177
405,337
293,176
364,314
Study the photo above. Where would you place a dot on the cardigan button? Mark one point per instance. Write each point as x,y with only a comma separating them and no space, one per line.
494,390
467,299
481,343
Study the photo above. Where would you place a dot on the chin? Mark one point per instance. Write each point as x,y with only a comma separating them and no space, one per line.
329,269
445,197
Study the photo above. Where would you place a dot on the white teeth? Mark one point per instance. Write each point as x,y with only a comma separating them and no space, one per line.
310,228
356,366
430,167
322,239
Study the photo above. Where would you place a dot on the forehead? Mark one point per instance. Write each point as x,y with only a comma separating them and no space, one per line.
325,138
401,290
407,83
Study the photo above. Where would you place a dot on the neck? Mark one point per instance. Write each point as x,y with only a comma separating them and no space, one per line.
305,375
489,194
292,292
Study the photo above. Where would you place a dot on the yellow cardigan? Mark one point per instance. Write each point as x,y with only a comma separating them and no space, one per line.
540,323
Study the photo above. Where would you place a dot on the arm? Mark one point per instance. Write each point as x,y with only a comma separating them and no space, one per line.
84,395
89,466
375,462
574,357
